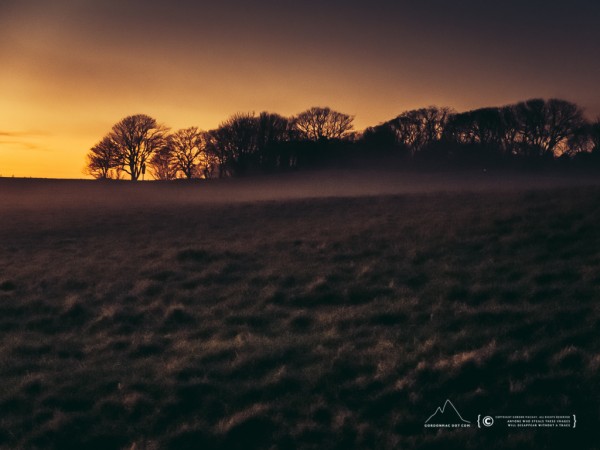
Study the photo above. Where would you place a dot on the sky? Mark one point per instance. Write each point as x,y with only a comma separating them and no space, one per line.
70,69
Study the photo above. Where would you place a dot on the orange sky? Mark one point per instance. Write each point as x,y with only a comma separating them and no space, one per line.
72,68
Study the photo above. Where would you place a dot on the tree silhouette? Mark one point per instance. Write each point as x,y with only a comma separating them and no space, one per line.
247,142
489,131
102,160
523,132
381,139
273,133
218,153
235,144
323,124
162,164
546,126
187,148
510,130
481,126
136,138
420,128
581,141
532,129
565,119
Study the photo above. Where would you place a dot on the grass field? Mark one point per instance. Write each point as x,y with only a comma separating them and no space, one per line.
296,323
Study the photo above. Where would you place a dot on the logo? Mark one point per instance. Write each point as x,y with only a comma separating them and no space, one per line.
488,421
447,416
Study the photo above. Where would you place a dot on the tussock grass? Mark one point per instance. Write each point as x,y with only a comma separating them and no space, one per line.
315,323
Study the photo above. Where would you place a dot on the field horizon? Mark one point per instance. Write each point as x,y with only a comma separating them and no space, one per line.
316,183
331,309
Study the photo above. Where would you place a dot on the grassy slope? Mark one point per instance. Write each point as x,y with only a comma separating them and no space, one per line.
326,323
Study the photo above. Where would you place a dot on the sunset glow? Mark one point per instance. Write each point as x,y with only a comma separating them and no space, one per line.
71,69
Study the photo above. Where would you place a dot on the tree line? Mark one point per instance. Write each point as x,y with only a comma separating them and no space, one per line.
535,131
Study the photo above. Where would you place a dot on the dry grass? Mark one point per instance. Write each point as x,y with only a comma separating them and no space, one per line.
323,323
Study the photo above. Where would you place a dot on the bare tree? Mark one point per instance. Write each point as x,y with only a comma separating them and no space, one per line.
419,128
272,129
209,166
586,139
510,130
162,164
546,126
246,142
323,124
137,138
492,128
188,150
235,144
565,119
380,140
217,153
273,132
102,160
533,128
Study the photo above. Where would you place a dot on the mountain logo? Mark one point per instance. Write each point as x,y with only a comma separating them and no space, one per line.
447,416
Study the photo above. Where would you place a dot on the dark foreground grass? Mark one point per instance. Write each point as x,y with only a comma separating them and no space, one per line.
330,323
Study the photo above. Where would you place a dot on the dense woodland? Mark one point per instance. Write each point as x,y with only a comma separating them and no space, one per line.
531,133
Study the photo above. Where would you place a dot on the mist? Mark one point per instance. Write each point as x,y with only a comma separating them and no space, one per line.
43,194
